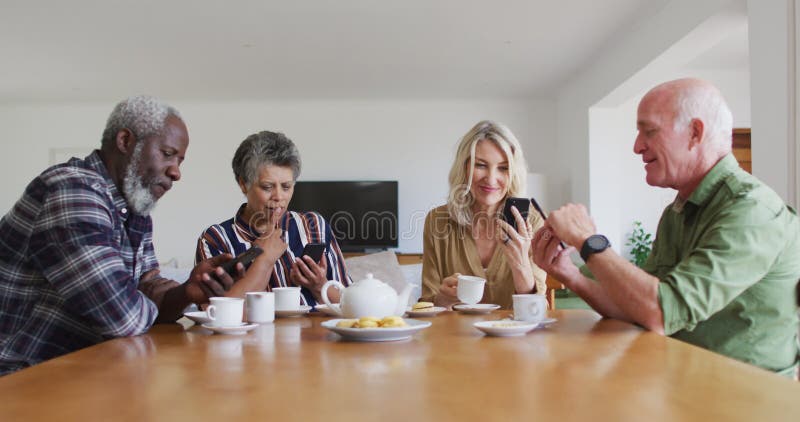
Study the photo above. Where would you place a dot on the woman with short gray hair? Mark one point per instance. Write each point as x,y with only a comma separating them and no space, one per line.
266,166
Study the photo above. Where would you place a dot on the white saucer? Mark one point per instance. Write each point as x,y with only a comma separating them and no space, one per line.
425,312
234,329
199,317
302,310
325,309
478,308
544,323
505,328
377,334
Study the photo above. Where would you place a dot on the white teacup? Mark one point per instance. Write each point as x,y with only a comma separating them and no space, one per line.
260,307
529,307
287,298
225,311
470,289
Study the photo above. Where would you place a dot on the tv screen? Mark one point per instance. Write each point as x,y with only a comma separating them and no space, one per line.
362,215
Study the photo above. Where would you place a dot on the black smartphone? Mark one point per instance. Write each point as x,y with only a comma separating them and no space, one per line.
314,250
245,258
544,217
522,204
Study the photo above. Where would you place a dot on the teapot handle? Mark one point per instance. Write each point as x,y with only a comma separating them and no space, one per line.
327,301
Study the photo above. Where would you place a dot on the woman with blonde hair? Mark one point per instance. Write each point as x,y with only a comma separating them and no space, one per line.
468,236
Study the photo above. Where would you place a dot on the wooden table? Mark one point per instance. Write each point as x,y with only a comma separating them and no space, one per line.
581,368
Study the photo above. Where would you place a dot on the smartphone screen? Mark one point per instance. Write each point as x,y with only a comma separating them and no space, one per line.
523,206
245,258
314,250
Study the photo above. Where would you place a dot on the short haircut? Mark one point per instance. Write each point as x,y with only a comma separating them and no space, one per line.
142,114
460,200
704,102
263,149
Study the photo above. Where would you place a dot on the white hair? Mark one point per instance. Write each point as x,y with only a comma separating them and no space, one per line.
142,114
705,102
135,189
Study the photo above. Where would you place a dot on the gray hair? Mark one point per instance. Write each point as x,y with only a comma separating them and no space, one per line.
143,115
699,100
263,149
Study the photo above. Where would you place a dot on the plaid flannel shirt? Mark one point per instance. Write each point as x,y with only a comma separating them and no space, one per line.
71,256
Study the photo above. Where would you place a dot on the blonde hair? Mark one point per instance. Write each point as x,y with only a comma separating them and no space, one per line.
460,200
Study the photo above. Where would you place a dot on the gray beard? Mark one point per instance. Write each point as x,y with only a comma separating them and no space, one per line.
140,199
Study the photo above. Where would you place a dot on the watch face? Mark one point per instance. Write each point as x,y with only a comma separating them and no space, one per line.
597,242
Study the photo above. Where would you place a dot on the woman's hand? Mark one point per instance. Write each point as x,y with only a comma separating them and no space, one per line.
311,275
448,292
272,243
516,244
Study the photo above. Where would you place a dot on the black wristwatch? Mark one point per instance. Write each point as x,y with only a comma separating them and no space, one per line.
594,244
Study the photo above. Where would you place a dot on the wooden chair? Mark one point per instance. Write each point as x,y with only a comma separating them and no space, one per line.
552,285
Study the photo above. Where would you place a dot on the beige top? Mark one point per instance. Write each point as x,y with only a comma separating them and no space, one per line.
449,248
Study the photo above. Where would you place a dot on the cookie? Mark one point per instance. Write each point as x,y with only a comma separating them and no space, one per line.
392,321
422,306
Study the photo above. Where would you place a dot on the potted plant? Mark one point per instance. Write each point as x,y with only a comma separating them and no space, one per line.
640,243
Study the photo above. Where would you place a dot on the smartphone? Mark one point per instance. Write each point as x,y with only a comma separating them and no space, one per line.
245,258
314,250
522,204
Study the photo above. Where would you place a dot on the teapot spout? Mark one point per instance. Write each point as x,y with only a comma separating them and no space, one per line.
402,300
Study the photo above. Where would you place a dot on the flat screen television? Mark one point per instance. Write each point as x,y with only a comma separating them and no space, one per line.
362,215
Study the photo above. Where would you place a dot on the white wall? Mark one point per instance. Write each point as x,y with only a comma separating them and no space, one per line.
409,141
773,81
624,68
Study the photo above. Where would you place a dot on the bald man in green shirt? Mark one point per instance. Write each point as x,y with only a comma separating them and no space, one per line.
725,263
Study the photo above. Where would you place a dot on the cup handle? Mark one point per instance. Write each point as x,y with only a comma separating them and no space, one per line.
327,301
211,311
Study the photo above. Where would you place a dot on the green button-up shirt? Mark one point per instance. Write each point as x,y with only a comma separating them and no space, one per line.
728,261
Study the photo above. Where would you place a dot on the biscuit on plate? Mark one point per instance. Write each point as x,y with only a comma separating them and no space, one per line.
346,323
392,321
367,322
422,306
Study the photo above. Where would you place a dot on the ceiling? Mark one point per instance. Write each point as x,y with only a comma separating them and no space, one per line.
83,50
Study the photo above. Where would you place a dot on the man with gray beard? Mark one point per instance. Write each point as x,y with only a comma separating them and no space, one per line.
77,264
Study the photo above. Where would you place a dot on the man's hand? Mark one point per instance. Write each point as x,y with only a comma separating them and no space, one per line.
572,224
202,286
551,257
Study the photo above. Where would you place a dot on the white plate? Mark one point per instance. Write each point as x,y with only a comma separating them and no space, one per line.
325,309
478,308
199,317
235,329
425,312
293,313
544,323
505,328
377,334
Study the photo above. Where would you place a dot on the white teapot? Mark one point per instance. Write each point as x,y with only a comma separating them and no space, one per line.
368,297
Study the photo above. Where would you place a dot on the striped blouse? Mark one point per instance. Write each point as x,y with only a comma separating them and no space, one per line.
235,236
